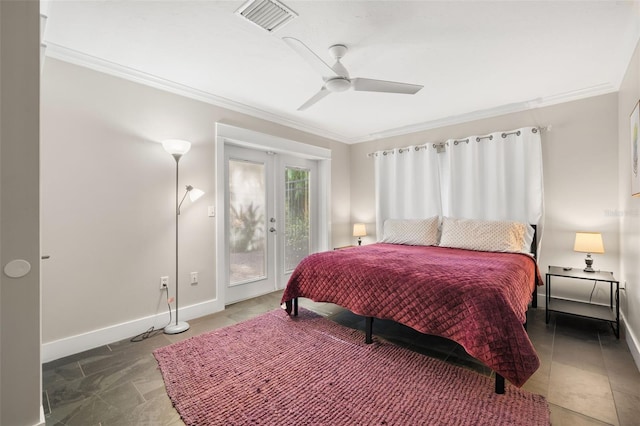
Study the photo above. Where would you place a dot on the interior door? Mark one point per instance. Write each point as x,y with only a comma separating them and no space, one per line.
271,218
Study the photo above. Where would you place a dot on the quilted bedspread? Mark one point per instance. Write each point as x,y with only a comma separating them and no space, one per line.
477,299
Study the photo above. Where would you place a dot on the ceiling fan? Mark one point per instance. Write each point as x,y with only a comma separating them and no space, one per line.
336,78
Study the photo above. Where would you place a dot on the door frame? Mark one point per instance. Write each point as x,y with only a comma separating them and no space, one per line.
232,135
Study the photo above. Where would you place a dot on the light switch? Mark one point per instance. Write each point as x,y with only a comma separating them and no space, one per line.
211,211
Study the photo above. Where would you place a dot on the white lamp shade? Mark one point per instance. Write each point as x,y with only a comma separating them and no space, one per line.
176,146
195,193
359,230
588,242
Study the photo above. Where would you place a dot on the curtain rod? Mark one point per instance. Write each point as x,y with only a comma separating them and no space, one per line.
440,146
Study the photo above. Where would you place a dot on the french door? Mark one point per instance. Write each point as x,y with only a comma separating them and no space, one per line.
270,221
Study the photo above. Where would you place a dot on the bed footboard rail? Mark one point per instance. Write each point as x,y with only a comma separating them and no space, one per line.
292,306
368,339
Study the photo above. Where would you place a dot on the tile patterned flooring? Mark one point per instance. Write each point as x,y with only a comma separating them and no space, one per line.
587,375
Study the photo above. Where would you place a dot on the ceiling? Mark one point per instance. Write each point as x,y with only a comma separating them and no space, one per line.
474,58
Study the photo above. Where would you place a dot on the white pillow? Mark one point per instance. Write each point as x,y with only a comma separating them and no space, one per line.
414,232
486,235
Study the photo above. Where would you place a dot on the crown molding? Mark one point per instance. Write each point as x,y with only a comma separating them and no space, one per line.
75,57
601,89
78,58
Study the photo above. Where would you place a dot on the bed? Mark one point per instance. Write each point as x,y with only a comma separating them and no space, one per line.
476,298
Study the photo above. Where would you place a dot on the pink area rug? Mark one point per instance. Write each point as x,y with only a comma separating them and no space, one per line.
307,370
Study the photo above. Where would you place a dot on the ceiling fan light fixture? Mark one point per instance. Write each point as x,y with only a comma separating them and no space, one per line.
338,84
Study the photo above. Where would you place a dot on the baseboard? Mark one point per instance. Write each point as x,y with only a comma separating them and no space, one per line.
57,349
632,341
43,421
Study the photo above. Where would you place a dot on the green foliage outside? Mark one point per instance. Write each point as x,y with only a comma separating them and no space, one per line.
246,228
296,216
248,222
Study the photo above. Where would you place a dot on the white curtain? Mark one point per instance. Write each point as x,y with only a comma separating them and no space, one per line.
491,177
495,177
407,183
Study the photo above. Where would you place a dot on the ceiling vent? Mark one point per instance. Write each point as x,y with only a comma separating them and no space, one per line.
267,14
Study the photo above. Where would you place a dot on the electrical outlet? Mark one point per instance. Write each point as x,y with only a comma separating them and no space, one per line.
194,278
164,282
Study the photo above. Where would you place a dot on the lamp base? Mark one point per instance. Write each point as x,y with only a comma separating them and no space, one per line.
180,327
588,261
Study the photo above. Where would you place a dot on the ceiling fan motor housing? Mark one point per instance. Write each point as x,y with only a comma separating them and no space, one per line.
337,51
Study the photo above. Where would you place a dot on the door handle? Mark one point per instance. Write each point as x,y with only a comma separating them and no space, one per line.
272,229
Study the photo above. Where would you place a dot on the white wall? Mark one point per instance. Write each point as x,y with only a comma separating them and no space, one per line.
108,194
629,211
20,372
580,158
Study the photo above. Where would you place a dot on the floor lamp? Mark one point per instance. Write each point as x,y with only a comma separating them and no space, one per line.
177,148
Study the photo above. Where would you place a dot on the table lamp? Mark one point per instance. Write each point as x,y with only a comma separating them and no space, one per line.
588,242
359,230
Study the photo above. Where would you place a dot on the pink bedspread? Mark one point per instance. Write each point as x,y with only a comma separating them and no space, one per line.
477,299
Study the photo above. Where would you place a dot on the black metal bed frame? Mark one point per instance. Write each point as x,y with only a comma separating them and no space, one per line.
499,383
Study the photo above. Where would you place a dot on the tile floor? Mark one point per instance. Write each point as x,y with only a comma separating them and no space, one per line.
587,375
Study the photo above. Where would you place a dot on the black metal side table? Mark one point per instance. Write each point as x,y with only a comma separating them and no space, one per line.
610,314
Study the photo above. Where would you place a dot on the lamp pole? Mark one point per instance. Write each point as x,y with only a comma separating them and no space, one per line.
178,327
177,157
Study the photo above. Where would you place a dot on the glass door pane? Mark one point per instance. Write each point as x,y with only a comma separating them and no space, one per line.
297,224
247,212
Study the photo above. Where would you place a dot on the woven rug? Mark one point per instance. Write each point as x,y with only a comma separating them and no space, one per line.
307,370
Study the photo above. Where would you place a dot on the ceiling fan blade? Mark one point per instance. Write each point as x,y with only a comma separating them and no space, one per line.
308,55
315,98
369,85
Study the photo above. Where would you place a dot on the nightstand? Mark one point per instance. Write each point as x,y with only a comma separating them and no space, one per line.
610,314
343,247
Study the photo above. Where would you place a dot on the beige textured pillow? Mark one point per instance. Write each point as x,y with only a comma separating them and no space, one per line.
414,232
485,235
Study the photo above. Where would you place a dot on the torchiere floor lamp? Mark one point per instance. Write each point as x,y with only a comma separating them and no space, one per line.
177,148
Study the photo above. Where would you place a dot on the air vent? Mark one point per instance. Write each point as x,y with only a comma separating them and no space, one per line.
267,14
